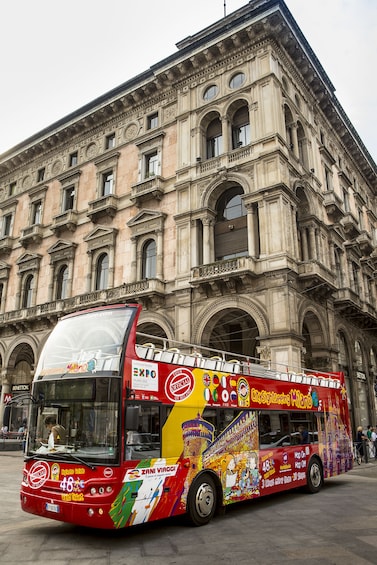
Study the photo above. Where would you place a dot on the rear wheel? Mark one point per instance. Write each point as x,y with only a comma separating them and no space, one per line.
201,502
314,476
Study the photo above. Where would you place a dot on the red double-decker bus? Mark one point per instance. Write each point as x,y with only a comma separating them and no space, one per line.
124,429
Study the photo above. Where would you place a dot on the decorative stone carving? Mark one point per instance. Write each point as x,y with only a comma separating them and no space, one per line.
91,150
57,167
26,183
130,132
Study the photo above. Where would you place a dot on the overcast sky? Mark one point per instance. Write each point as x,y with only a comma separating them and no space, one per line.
58,56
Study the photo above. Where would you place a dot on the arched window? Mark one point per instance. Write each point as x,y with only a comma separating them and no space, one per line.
288,119
241,128
231,225
149,260
62,283
214,138
27,296
102,272
302,145
338,266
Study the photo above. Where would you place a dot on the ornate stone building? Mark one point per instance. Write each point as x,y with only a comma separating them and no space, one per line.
224,188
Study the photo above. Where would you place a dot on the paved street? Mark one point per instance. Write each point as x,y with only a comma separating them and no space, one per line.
336,526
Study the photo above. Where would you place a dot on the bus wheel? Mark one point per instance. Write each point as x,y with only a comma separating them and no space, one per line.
314,476
201,502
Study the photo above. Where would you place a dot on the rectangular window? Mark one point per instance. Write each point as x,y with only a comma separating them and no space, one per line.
346,201
152,121
107,183
151,164
110,141
68,198
361,219
282,429
214,146
7,225
12,188
73,159
328,179
37,213
41,175
143,430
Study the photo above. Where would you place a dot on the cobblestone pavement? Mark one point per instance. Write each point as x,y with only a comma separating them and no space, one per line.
336,526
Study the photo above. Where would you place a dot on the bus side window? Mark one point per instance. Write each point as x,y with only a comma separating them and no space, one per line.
142,435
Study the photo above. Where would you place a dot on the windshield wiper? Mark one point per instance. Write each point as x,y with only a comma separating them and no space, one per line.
76,458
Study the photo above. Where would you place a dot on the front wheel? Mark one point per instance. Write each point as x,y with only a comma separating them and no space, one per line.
314,476
201,502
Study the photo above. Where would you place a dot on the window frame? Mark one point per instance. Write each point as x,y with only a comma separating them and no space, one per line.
73,159
152,121
110,141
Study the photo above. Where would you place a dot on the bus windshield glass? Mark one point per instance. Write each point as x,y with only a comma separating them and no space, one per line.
76,417
88,343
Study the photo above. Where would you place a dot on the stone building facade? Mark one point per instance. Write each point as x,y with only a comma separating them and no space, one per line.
224,188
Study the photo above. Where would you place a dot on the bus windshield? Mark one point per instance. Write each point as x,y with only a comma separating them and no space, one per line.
88,343
76,417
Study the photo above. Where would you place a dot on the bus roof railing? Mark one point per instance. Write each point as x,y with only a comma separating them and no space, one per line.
157,348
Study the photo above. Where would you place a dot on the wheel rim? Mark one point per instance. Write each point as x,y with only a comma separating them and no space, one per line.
315,475
204,500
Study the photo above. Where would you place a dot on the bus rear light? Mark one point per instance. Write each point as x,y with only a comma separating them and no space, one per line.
93,491
90,512
101,490
109,489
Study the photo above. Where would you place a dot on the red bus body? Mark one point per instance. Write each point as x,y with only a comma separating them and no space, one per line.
195,458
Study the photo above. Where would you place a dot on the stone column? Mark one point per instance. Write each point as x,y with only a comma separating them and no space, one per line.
133,262
208,241
5,390
251,230
160,254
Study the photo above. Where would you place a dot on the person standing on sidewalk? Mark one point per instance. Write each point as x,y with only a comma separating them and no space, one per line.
374,442
361,443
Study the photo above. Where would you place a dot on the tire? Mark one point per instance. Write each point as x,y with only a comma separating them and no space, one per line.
201,501
314,476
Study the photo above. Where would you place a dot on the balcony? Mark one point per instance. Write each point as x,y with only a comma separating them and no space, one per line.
333,205
317,281
67,221
152,187
148,292
224,277
104,206
350,225
348,304
6,245
366,244
32,234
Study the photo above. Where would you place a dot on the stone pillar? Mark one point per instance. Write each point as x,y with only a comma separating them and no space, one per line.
5,389
160,254
208,241
133,263
304,243
251,230
312,246
225,127
110,282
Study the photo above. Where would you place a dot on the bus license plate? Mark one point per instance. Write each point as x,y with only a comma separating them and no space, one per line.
52,507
